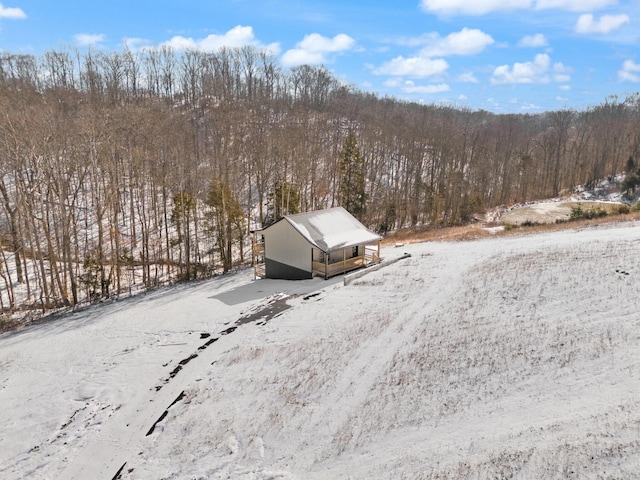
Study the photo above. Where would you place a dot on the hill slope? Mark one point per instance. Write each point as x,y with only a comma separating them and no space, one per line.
506,357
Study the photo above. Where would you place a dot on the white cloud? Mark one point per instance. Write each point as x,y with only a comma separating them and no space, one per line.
561,74
317,43
393,82
88,39
529,106
238,36
540,70
135,43
273,48
465,42
313,49
533,41
607,23
574,5
467,78
630,72
410,87
181,43
413,67
298,56
12,12
472,7
565,88
483,7
528,72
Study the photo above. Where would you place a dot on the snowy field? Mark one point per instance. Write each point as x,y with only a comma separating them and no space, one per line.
509,357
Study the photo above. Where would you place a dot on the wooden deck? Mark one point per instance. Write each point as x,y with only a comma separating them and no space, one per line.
258,260
336,268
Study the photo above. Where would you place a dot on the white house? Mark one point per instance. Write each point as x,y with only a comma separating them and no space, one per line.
324,242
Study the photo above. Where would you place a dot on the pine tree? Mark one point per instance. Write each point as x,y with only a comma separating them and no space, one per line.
283,201
184,209
225,220
351,189
632,180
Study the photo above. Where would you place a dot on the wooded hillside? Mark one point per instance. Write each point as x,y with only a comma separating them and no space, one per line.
131,169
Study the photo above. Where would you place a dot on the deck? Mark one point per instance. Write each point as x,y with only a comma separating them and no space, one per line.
370,257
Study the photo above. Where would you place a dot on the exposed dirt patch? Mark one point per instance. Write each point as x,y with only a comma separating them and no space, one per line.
552,212
435,234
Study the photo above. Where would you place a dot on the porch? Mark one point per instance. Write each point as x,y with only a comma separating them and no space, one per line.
371,256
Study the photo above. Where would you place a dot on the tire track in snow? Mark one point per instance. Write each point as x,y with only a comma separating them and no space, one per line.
360,374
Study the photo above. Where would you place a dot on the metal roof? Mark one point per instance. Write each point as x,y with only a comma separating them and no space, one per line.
331,229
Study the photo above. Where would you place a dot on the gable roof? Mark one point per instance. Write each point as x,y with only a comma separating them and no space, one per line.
331,229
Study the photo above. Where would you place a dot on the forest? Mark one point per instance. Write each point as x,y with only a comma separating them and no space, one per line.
121,171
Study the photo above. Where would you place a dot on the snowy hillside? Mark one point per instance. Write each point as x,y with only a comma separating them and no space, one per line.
510,357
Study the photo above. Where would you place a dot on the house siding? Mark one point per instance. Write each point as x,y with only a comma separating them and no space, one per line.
283,271
342,254
286,250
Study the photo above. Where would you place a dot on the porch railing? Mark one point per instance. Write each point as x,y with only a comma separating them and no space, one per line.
371,256
346,265
260,270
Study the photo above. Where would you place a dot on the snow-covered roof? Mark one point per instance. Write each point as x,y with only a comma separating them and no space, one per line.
331,229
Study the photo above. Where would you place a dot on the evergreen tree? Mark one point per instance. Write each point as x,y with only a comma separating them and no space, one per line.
632,180
184,209
283,201
225,220
351,188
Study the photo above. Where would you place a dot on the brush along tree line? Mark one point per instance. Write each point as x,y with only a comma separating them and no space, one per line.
123,170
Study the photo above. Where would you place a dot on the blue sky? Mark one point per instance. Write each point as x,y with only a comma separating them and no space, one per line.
522,56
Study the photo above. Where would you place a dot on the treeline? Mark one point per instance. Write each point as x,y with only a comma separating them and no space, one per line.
123,170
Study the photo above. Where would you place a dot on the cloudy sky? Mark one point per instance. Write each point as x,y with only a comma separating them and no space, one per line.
499,55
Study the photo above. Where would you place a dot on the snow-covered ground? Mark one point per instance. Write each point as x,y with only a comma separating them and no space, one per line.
509,357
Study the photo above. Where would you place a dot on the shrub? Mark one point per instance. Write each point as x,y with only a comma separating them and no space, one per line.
597,213
621,210
576,212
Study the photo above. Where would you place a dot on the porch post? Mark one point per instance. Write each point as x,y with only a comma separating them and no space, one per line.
253,255
326,265
253,248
